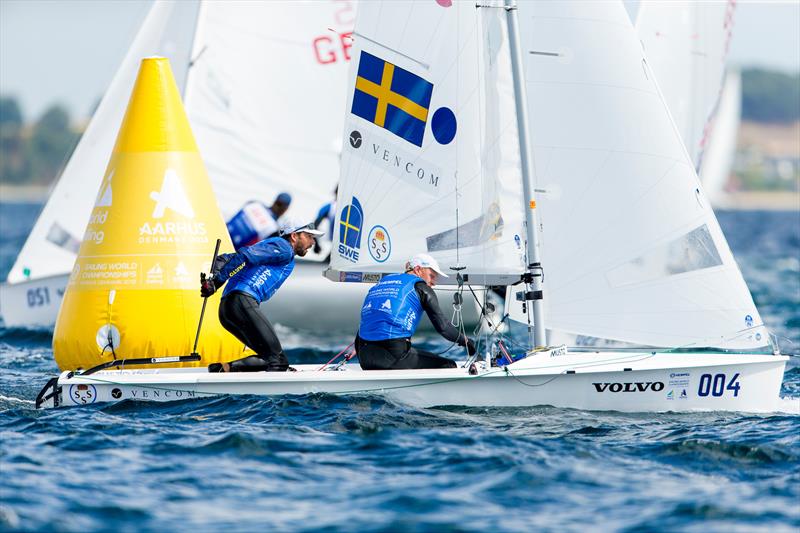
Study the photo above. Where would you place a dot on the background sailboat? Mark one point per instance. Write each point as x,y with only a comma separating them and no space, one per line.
46,259
686,44
718,157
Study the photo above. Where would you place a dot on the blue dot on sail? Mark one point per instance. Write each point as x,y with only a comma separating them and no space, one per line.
443,125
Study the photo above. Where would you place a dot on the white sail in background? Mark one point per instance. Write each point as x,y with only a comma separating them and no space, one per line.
432,161
265,97
631,248
54,240
721,149
686,45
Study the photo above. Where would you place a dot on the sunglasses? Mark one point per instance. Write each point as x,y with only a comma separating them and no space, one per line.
309,226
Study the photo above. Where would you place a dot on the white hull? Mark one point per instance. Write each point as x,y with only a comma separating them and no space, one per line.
590,381
32,304
307,300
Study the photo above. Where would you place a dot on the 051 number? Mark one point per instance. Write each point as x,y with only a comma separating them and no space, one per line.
38,297
717,384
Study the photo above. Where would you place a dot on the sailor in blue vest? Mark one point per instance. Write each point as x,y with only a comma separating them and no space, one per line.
253,274
255,221
390,315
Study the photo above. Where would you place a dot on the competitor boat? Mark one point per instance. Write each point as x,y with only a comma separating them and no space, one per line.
686,45
506,160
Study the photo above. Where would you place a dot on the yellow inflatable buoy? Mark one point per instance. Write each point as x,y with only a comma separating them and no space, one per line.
134,289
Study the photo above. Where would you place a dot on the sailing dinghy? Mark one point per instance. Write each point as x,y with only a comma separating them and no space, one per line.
452,128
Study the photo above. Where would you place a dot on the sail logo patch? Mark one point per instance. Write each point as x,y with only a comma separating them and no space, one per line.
355,139
392,98
351,221
379,244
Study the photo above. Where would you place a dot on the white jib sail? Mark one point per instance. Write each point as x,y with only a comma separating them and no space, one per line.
686,45
721,149
431,163
55,238
631,248
265,97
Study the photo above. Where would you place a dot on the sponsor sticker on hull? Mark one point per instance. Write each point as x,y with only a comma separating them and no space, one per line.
82,394
630,386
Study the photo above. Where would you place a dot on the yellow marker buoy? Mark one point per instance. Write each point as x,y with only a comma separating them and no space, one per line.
134,289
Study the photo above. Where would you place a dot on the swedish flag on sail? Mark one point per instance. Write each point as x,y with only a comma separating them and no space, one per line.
392,98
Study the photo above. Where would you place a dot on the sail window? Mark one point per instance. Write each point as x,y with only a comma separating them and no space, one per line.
473,233
693,251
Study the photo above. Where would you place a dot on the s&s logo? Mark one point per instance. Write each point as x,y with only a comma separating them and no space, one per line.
379,244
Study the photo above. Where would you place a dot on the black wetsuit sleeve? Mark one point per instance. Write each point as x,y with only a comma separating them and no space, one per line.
430,304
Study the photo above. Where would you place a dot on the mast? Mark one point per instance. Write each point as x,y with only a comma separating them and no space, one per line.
194,53
535,274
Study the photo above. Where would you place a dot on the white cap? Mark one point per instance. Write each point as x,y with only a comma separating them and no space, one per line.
425,261
295,225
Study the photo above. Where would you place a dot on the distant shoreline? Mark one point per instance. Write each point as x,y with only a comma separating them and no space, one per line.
24,194
737,201
760,201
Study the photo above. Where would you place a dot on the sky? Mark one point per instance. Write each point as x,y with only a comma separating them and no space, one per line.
67,51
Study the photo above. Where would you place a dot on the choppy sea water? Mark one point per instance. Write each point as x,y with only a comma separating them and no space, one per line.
326,463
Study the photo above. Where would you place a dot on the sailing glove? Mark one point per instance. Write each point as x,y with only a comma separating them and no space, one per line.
207,286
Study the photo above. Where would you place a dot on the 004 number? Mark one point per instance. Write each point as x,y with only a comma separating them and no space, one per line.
717,384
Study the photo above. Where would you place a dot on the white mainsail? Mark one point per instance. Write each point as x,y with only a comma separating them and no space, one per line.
264,97
54,240
631,247
686,45
432,162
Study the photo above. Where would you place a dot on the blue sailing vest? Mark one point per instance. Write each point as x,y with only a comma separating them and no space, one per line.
252,223
267,265
392,309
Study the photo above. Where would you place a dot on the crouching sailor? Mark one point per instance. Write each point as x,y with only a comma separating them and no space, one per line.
254,274
390,315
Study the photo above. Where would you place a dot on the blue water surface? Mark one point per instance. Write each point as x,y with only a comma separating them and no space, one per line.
325,463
